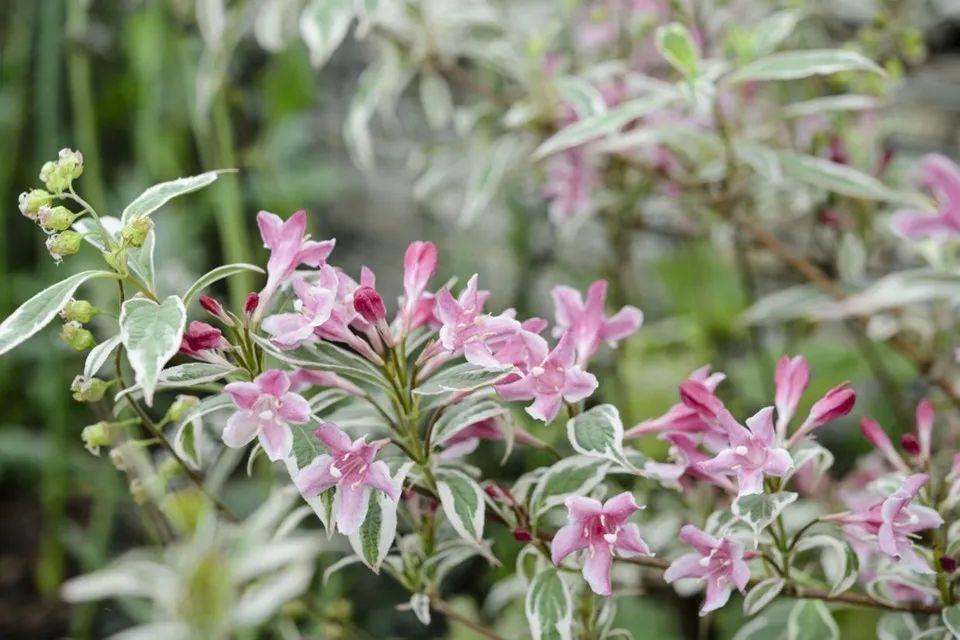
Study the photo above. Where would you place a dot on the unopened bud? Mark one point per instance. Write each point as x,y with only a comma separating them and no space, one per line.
31,202
59,175
55,218
80,310
88,389
76,336
180,406
368,303
910,444
522,535
98,435
138,491
214,308
250,306
948,564
64,244
135,233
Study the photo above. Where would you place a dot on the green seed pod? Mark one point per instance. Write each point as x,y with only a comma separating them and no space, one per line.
88,389
31,201
79,310
55,218
98,435
135,233
77,337
64,244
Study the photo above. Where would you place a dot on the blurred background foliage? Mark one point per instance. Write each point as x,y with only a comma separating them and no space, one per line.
134,85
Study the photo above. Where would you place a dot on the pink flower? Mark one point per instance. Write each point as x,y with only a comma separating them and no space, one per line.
466,328
302,379
791,378
925,418
555,379
752,454
835,403
588,323
351,468
874,433
266,407
686,463
942,176
312,308
895,521
680,418
200,337
602,530
570,181
289,247
419,265
720,562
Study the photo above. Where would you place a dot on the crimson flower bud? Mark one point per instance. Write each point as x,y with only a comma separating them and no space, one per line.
522,535
910,444
211,306
368,303
698,397
948,563
253,301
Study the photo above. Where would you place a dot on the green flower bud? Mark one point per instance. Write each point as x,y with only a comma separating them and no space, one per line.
31,201
79,310
98,435
117,259
55,218
135,233
71,163
76,336
88,389
64,244
59,175
180,406
138,490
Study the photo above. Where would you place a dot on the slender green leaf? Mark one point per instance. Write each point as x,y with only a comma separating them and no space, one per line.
215,275
791,65
462,501
549,607
160,194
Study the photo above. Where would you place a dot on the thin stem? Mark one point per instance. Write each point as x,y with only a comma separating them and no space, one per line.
441,607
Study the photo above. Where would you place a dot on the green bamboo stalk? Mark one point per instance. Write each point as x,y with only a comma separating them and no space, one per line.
82,103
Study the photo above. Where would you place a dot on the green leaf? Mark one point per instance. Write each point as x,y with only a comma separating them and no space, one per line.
461,377
140,261
190,374
760,510
34,314
372,541
604,124
548,607
215,275
582,96
160,194
306,447
803,453
798,301
460,416
598,432
819,106
835,178
436,99
951,618
811,620
676,46
773,30
462,501
488,167
98,356
324,356
762,594
791,65
208,405
151,334
323,26
840,563
574,475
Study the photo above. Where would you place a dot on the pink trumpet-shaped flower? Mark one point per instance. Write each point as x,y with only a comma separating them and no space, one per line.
200,337
752,454
895,521
942,176
721,563
351,468
791,377
290,246
548,383
266,407
302,379
680,418
466,328
588,323
835,403
312,309
602,530
570,182
419,265
873,432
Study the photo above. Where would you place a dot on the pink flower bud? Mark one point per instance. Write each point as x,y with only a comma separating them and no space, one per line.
949,564
522,535
419,265
836,403
699,398
792,377
201,336
910,444
211,306
878,438
250,306
925,417
368,303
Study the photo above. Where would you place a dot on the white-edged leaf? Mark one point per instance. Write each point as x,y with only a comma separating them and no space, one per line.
151,335
835,178
461,415
34,314
605,123
160,194
486,174
896,290
840,563
773,30
372,541
461,377
574,475
190,374
185,441
325,356
758,511
140,261
805,453
798,301
598,432
762,594
676,46
549,607
462,501
811,620
99,355
215,275
436,99
791,65
323,25
951,618
581,95
842,102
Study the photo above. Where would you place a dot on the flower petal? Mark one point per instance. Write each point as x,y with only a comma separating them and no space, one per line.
350,506
241,429
315,478
567,540
596,569
244,394
378,477
276,440
294,408
274,382
333,438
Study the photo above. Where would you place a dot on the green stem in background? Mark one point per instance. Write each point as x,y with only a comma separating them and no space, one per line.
748,284
82,103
